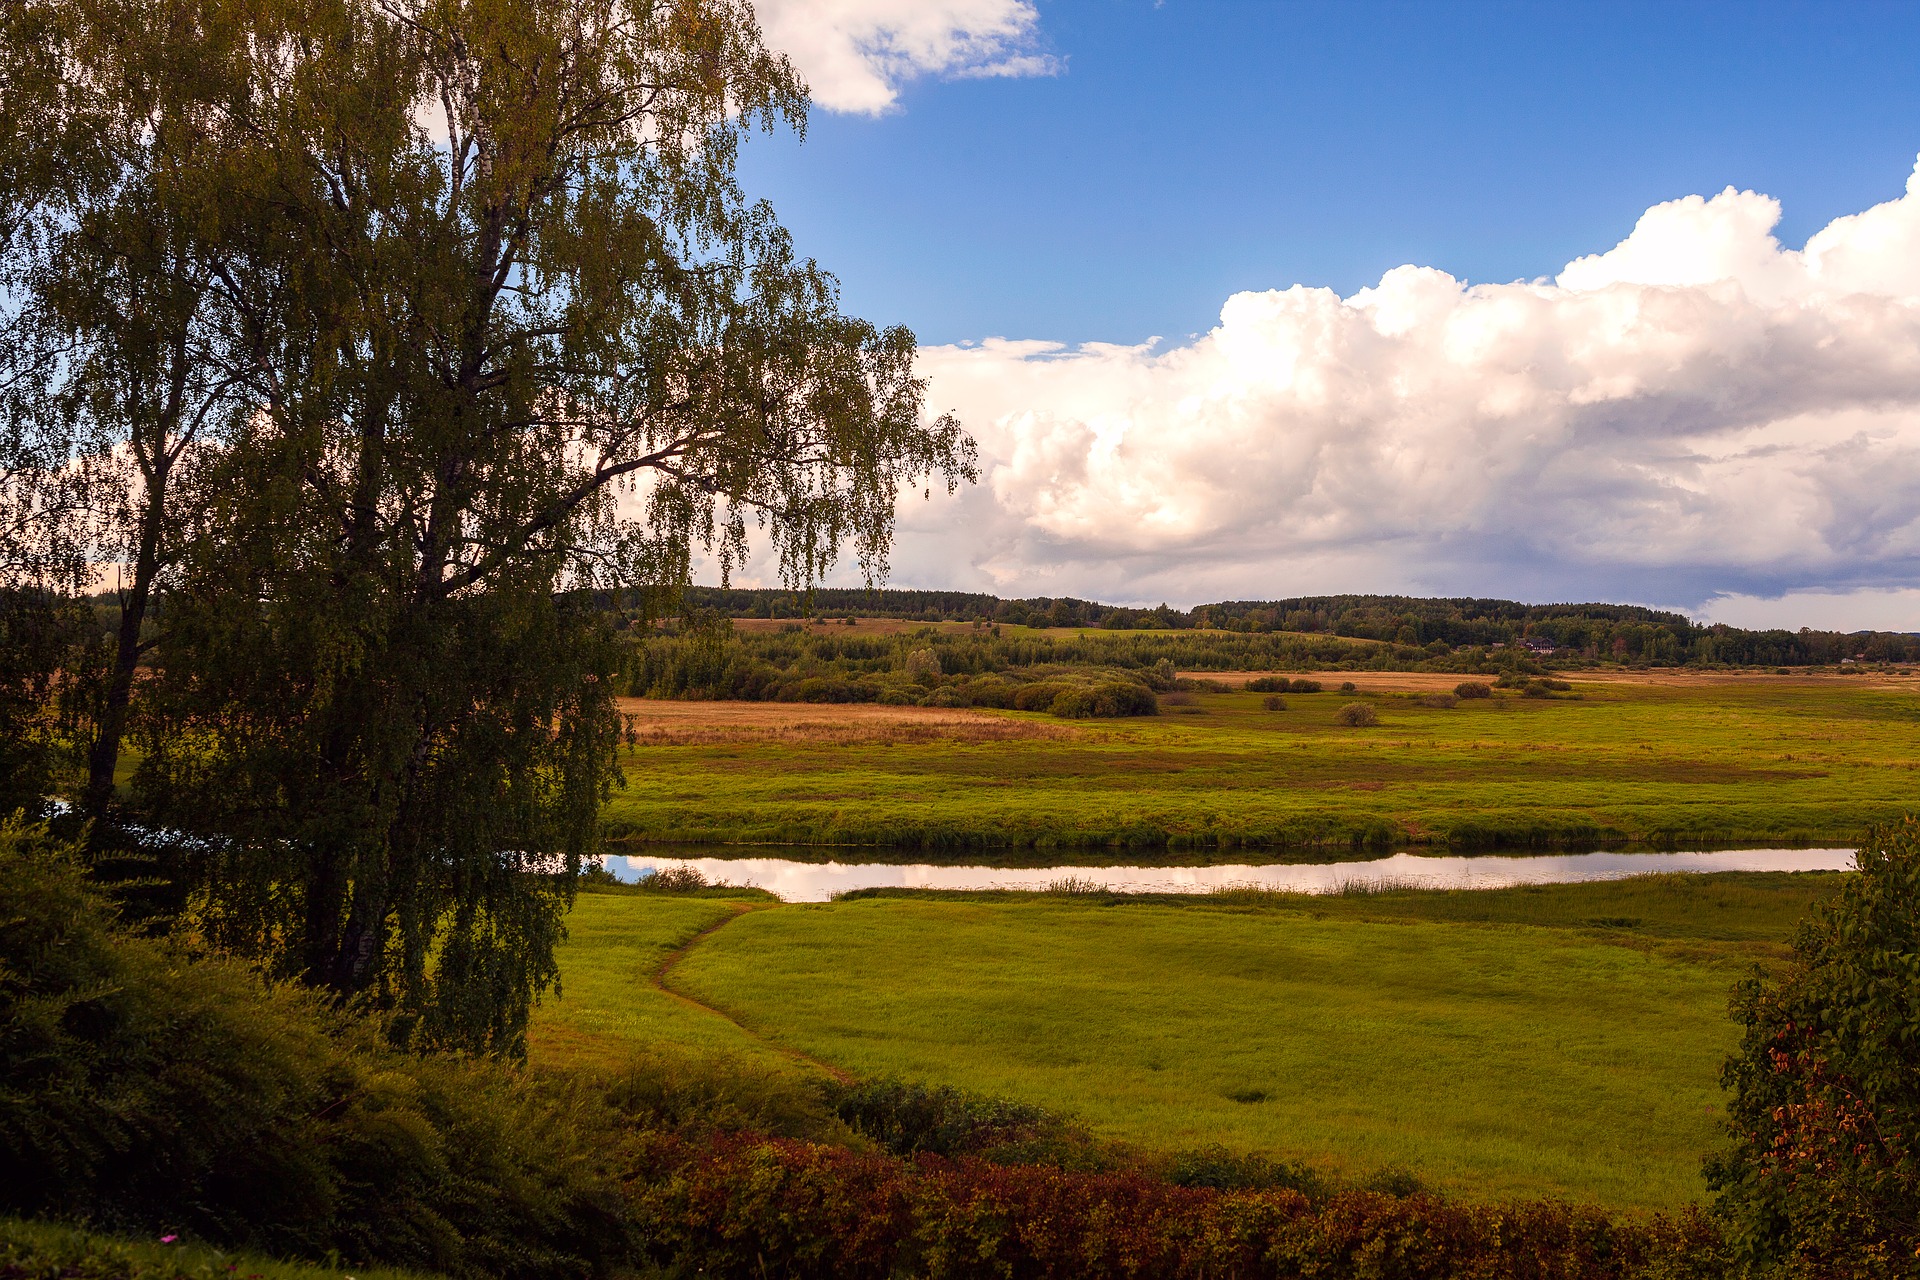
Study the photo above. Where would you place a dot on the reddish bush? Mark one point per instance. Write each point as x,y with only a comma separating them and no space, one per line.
747,1207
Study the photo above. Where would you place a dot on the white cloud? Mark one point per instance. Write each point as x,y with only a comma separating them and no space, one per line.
1889,610
1697,413
855,54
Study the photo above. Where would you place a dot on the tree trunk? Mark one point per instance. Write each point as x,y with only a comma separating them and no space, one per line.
103,757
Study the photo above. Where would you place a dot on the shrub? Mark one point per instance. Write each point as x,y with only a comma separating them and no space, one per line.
145,1090
701,1096
1273,702
673,880
1102,701
991,691
1441,701
1280,684
742,1207
912,1119
1223,1170
1039,696
1823,1178
1357,715
1472,689
1348,686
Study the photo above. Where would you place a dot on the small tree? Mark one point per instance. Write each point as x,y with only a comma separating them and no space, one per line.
1357,715
1823,1178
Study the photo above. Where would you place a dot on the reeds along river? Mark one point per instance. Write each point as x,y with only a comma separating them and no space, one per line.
819,881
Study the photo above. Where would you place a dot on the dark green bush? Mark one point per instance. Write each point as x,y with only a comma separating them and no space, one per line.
1823,1178
1224,1170
39,636
697,1097
1303,686
1039,696
909,1119
1102,701
1268,684
1273,702
143,1089
1472,689
1356,715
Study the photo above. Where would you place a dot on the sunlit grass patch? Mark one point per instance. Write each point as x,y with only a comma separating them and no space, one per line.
1726,762
1492,1059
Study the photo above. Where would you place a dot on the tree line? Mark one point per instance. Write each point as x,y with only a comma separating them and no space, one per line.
353,345
1603,632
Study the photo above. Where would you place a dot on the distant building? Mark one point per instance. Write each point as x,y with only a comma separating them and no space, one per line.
1538,645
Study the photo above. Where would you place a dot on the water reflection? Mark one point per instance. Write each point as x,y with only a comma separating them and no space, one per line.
818,881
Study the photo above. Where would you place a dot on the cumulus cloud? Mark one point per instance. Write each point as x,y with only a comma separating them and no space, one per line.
1698,412
855,54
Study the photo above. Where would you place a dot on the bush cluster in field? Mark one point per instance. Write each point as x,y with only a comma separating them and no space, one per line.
980,668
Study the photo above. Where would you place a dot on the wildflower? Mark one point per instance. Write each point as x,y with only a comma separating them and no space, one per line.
168,1239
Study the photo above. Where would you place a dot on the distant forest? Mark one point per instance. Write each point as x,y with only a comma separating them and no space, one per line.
1599,632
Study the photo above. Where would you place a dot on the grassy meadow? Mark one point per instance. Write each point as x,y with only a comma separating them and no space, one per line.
1551,1040
1753,758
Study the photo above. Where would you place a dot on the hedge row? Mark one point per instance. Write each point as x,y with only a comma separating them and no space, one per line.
749,1207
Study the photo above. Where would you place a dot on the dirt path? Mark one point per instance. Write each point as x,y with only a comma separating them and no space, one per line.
674,957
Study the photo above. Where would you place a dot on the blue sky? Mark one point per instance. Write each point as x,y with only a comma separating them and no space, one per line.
1199,147
1704,394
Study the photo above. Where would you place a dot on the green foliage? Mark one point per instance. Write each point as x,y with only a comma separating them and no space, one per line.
364,455
912,1119
39,634
974,668
1281,684
1105,701
1823,1178
1472,689
1598,632
1223,1170
145,1089
1357,715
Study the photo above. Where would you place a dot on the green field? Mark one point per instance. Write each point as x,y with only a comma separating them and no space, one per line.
1760,760
44,1249
1561,1040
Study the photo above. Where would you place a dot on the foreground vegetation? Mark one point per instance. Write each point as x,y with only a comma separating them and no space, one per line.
1556,1040
164,1093
49,1251
1762,759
